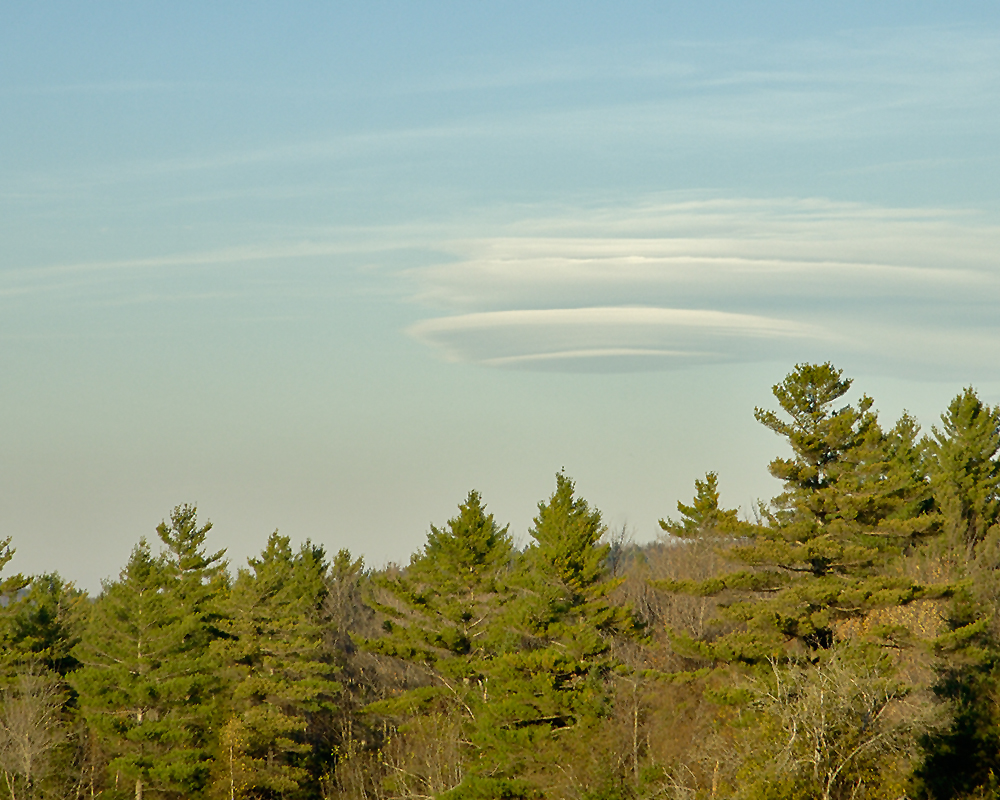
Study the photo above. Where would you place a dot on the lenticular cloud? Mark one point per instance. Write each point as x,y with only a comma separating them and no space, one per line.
660,286
601,337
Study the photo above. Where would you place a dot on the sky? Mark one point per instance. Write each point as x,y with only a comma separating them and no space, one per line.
326,267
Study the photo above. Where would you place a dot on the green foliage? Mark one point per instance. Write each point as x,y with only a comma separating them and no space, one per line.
466,556
550,688
44,620
185,540
194,579
847,476
703,517
11,589
448,595
281,675
445,608
963,759
854,498
567,533
12,584
797,664
966,468
149,685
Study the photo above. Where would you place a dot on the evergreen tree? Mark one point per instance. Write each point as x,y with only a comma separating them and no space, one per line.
854,497
14,583
196,584
282,677
463,562
149,685
846,475
45,620
966,468
11,588
130,635
444,600
567,549
442,615
704,516
962,760
196,580
549,689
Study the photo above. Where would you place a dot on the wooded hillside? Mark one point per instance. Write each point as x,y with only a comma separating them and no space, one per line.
838,641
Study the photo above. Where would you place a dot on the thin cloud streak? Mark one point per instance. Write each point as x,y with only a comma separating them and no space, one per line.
851,88
220,257
613,317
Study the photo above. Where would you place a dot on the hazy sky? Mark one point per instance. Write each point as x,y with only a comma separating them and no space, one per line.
326,267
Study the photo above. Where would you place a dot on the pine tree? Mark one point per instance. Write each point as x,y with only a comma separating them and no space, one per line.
704,516
549,688
463,563
11,589
45,620
966,468
446,596
962,760
567,534
282,676
195,580
6,554
130,636
854,498
196,585
442,616
846,476
149,685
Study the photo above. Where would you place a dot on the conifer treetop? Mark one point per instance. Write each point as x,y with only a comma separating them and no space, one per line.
966,467
566,533
468,550
185,540
818,434
704,516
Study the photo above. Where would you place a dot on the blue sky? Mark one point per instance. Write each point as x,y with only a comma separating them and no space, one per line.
325,269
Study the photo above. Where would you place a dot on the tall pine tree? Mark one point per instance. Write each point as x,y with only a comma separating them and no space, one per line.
966,468
149,685
854,497
443,613
549,689
283,679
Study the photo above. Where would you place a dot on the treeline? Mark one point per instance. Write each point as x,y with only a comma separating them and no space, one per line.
839,641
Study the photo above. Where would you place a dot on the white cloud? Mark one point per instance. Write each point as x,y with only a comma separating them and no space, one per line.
666,283
654,336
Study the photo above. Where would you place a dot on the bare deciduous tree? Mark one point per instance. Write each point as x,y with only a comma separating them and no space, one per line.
30,729
840,730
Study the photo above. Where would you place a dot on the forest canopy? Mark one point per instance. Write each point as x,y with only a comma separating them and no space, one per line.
840,640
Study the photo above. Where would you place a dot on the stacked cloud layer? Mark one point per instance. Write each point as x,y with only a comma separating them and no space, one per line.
672,284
